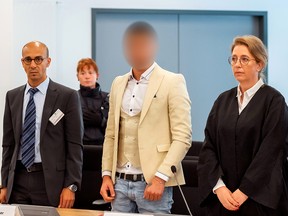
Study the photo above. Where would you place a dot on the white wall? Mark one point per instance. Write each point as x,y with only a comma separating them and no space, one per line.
34,20
65,26
6,54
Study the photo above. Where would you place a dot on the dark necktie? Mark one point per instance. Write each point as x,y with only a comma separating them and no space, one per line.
28,135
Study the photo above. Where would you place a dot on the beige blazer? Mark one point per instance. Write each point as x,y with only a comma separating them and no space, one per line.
164,131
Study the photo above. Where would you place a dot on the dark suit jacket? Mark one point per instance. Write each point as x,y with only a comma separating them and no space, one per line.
60,145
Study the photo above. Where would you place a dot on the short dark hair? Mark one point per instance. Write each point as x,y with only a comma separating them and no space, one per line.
47,51
142,28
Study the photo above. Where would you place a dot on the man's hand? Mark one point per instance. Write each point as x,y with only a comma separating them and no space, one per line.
67,198
225,197
3,195
107,189
239,196
154,191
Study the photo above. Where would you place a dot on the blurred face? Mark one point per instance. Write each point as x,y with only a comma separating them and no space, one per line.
245,68
87,77
140,50
35,62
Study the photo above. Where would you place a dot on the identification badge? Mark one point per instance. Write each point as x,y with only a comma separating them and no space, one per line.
56,117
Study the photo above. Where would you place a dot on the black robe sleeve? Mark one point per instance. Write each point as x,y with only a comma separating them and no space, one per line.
209,170
263,180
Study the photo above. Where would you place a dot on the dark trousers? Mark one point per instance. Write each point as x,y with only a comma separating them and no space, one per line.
249,208
29,187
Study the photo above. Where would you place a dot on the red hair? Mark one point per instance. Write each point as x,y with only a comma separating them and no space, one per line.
87,62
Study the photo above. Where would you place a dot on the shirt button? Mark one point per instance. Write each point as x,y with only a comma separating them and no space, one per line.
133,96
130,110
137,83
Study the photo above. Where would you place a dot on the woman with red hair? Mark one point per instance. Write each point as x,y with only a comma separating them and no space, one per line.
95,103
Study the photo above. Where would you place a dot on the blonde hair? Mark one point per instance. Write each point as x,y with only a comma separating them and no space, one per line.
256,47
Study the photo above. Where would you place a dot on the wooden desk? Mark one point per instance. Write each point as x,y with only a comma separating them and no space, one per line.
78,212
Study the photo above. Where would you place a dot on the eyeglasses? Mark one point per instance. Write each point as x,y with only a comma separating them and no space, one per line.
243,60
28,60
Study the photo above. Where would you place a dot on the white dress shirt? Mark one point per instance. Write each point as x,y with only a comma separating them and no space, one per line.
248,95
132,105
135,91
39,99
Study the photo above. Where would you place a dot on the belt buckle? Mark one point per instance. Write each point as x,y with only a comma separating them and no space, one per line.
134,177
29,170
124,176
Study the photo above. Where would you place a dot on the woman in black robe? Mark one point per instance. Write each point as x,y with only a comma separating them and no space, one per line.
242,163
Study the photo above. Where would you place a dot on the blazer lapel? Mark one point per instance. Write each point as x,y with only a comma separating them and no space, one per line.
51,98
119,96
153,86
18,113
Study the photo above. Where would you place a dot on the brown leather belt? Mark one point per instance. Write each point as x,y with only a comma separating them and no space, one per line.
36,167
130,177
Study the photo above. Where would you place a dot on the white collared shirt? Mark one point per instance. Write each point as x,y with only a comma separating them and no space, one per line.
39,99
248,95
132,102
135,92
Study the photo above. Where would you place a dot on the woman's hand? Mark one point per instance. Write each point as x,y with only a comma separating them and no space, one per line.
239,196
227,200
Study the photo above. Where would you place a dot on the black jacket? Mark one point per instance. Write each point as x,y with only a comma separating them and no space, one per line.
95,107
246,150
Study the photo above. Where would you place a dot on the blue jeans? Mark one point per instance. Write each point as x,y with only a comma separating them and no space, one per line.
129,198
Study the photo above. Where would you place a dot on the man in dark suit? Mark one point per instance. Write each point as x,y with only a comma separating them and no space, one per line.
42,137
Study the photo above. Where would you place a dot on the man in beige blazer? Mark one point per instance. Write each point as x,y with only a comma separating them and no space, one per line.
148,130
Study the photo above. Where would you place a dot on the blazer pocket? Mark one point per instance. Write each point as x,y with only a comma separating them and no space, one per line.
60,166
163,148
